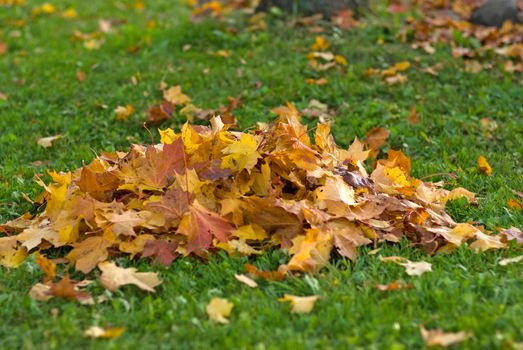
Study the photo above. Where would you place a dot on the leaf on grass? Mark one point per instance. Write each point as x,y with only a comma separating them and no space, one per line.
396,285
219,309
436,337
411,268
246,280
484,166
123,112
175,96
505,262
103,333
266,275
46,265
300,305
47,142
113,277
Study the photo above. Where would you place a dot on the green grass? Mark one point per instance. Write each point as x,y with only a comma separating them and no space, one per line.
466,291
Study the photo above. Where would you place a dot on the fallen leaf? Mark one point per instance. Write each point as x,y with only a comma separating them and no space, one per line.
113,277
396,285
175,96
246,280
484,166
436,337
300,305
413,117
411,268
104,333
47,142
123,112
219,309
505,262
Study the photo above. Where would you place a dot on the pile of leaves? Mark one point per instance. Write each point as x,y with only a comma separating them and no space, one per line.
207,188
448,22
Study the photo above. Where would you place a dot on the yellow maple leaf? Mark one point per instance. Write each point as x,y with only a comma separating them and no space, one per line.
300,305
219,309
320,44
484,166
175,96
241,154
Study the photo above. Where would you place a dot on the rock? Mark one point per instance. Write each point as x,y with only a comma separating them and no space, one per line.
309,7
494,13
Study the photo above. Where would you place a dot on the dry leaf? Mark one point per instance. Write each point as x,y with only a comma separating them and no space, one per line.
436,337
113,277
123,112
396,285
484,166
411,268
175,96
104,333
47,142
219,309
246,280
505,262
300,305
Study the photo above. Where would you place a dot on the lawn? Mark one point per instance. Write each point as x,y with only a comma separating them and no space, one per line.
466,291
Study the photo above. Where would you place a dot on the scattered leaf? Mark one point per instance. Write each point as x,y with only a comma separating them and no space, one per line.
219,309
47,142
436,337
113,277
300,305
246,280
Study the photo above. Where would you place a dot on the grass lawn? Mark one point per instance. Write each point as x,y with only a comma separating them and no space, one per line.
465,291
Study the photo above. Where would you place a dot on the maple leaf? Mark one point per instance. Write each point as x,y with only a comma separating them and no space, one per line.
376,137
484,166
66,289
47,142
246,280
175,96
241,154
163,252
88,253
266,275
436,337
159,113
300,305
411,268
104,333
161,165
113,277
123,113
172,206
46,265
219,309
200,225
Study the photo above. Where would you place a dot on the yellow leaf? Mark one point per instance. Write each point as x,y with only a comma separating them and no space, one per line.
436,337
219,309
341,60
246,280
241,154
320,44
175,96
300,305
484,166
402,66
123,113
47,142
168,136
105,333
69,13
113,277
